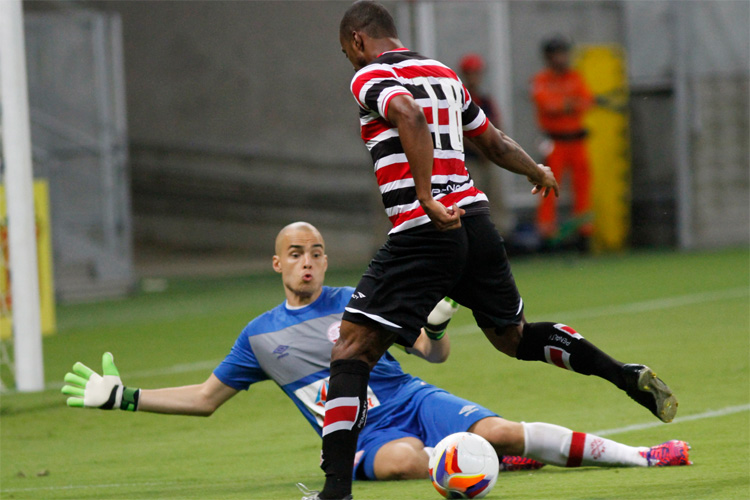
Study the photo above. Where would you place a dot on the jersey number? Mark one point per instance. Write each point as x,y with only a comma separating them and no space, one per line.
453,93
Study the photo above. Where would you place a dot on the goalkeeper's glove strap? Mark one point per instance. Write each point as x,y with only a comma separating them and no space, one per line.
436,332
130,399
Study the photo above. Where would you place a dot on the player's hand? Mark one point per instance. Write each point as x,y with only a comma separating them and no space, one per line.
439,318
546,183
88,389
443,217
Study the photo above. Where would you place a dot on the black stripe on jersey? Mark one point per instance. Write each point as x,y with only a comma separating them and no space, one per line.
387,147
402,196
373,93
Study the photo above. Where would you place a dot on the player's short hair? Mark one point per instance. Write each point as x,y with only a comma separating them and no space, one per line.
369,17
556,43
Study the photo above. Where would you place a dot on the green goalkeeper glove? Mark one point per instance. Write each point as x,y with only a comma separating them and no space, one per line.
439,318
91,390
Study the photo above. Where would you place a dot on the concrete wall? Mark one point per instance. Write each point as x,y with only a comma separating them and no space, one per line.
241,121
260,89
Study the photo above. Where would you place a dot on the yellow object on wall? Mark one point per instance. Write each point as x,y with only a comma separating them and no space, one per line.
603,68
44,259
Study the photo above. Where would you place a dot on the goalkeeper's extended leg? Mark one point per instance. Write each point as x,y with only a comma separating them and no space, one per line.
556,445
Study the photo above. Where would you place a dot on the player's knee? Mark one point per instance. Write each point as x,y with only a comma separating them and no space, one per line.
505,340
402,462
505,436
361,342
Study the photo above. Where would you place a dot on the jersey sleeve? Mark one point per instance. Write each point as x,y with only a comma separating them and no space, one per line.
474,120
374,87
240,369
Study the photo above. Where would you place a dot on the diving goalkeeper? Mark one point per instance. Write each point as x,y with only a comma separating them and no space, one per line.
291,344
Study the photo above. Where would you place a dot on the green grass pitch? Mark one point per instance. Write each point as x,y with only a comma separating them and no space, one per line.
686,315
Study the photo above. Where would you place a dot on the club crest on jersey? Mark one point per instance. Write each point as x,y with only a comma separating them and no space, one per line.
334,331
315,395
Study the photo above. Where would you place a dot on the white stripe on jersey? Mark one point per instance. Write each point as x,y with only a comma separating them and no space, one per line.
386,96
397,209
401,183
390,160
418,221
438,154
476,123
444,179
391,132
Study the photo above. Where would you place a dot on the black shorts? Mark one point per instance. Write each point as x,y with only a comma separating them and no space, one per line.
416,268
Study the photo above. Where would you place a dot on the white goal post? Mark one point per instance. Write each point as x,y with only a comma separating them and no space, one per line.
18,179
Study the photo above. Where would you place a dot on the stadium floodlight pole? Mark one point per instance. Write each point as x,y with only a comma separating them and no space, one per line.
27,339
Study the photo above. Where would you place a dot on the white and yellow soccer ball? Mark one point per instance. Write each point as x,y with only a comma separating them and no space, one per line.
464,465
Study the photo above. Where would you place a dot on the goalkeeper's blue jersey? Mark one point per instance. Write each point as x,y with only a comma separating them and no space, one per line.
292,347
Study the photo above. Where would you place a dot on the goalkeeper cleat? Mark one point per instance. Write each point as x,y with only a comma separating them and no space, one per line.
642,384
314,495
510,463
670,453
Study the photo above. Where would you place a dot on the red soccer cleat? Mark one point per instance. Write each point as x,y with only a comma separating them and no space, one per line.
670,453
510,463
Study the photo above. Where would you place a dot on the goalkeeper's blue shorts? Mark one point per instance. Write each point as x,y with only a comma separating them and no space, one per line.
429,419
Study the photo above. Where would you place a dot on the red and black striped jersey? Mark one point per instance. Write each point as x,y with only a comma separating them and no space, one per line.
450,113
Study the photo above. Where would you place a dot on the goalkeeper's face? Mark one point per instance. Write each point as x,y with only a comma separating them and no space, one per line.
301,260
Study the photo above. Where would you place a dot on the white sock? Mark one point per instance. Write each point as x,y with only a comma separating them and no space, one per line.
555,445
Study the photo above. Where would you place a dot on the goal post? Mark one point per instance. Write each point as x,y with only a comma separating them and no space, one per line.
16,133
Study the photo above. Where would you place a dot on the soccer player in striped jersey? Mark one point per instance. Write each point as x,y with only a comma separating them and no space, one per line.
414,116
291,345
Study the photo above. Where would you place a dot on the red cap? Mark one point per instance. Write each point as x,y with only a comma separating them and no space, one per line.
471,62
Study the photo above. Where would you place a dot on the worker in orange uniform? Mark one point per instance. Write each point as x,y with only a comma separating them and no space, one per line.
562,98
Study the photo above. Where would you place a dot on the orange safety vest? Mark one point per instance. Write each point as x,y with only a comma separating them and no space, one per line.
552,92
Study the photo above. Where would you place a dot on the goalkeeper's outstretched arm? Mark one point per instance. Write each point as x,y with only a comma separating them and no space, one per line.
199,400
88,389
433,344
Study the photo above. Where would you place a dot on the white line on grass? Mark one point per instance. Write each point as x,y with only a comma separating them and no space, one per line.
729,410
607,432
633,307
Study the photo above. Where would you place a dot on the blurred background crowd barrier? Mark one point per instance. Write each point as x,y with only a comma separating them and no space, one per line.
178,137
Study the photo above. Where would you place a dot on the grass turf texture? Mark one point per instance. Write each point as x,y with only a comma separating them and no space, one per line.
686,315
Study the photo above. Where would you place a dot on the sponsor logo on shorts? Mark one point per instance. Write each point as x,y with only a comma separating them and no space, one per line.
358,295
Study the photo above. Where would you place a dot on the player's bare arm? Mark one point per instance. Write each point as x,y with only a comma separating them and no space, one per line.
408,117
199,400
434,351
508,154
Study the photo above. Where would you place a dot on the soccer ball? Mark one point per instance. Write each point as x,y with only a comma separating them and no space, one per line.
464,465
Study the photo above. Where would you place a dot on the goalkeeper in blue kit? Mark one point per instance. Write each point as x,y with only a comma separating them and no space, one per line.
291,345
